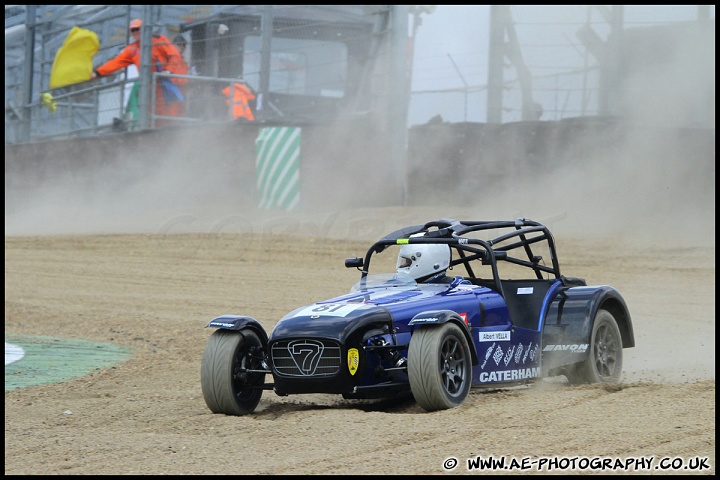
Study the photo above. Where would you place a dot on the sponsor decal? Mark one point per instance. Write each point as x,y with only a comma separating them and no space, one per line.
574,348
508,355
487,354
509,375
498,355
222,324
525,291
353,360
464,318
428,319
518,354
494,336
526,352
534,353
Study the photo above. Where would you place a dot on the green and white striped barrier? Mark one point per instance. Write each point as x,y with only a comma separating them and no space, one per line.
277,167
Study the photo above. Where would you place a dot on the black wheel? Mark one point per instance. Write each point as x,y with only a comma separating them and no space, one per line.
439,367
604,361
226,386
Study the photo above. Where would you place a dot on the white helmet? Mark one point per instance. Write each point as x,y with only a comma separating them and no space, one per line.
423,261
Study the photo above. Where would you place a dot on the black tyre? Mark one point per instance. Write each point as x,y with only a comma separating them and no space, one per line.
439,367
604,361
226,385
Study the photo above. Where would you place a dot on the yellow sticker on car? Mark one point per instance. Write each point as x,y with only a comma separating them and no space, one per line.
353,360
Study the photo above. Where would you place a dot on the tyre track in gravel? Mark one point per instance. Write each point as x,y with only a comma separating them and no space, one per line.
154,295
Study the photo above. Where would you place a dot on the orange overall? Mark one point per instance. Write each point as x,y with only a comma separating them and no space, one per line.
240,101
165,58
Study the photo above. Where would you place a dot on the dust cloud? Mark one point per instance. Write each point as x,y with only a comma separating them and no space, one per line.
649,176
653,184
651,190
632,207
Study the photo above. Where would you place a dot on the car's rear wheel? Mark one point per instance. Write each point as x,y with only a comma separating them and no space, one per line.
227,386
439,367
604,361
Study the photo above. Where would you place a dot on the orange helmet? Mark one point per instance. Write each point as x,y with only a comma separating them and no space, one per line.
137,23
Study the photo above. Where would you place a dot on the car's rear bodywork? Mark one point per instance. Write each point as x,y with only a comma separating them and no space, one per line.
390,335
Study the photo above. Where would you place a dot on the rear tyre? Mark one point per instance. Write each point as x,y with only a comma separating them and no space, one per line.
604,361
439,367
226,385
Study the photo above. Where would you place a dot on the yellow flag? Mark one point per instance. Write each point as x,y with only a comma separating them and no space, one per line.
73,61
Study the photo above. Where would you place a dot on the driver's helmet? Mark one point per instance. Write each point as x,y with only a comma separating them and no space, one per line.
423,261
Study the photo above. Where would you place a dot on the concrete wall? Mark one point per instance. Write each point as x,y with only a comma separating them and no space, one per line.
343,165
462,160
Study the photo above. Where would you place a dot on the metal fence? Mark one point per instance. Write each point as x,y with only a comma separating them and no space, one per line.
563,75
95,109
568,57
320,59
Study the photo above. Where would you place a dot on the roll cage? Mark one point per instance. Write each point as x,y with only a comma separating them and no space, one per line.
516,242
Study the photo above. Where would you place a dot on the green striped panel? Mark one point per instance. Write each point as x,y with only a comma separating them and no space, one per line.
277,167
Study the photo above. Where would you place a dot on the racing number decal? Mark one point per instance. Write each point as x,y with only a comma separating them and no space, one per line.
329,310
353,360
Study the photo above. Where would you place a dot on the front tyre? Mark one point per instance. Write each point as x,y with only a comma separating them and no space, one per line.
439,367
604,361
226,385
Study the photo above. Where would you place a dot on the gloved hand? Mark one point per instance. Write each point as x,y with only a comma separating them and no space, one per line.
48,101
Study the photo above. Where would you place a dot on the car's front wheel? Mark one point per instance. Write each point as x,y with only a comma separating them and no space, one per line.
439,367
227,385
604,361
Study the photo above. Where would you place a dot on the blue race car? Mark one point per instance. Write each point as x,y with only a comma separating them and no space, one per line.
438,320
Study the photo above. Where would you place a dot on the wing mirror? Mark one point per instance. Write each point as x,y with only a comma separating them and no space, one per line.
356,262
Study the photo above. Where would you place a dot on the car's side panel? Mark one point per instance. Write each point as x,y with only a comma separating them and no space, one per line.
568,325
507,354
509,341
